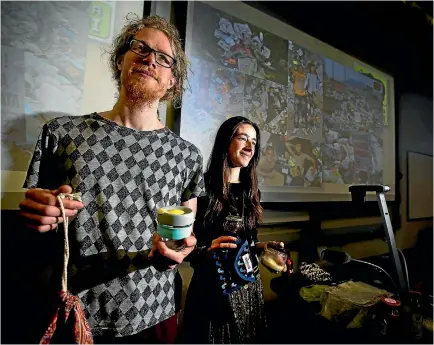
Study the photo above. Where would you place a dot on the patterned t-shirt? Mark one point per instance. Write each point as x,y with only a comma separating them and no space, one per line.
124,176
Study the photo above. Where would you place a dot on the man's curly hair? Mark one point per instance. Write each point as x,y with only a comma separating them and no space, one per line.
134,25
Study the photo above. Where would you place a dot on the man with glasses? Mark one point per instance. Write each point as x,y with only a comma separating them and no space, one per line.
126,164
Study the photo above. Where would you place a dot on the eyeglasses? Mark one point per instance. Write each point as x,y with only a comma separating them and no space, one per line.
142,49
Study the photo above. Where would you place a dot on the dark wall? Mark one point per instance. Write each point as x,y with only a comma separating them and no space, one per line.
29,260
390,35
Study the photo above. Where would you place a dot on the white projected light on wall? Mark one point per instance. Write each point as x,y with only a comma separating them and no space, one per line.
326,118
53,64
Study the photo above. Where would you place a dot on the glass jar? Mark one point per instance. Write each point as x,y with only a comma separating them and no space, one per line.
176,245
233,226
274,258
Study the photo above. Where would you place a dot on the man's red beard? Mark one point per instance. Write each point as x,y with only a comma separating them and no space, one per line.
141,89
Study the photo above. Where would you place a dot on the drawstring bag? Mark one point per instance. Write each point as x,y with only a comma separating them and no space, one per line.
236,268
68,323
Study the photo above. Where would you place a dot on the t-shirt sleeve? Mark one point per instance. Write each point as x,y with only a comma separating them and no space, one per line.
42,171
194,185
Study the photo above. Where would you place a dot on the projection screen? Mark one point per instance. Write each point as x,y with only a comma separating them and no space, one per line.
326,118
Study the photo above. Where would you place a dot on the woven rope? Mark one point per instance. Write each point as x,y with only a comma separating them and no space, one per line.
60,197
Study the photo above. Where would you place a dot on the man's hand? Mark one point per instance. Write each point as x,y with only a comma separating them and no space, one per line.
173,257
41,210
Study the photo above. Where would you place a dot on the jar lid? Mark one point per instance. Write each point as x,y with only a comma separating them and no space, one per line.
177,216
276,251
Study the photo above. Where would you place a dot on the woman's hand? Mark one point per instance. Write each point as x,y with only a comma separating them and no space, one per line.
223,242
275,244
260,246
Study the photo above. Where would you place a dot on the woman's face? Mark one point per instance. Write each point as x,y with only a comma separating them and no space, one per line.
243,145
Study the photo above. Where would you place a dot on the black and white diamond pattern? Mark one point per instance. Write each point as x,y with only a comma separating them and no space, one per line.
124,177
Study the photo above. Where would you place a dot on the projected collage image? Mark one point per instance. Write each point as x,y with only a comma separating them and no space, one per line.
305,92
216,94
353,126
217,90
289,161
230,42
320,121
265,103
236,69
380,85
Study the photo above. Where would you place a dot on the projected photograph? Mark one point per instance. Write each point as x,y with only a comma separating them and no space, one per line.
215,94
368,154
376,148
353,118
305,92
230,42
215,89
271,163
351,102
380,84
304,120
338,157
351,157
265,103
290,161
362,152
200,128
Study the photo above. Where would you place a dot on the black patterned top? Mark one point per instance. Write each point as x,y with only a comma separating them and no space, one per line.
210,316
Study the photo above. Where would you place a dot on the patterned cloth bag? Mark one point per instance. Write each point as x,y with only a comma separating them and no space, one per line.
68,323
236,267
